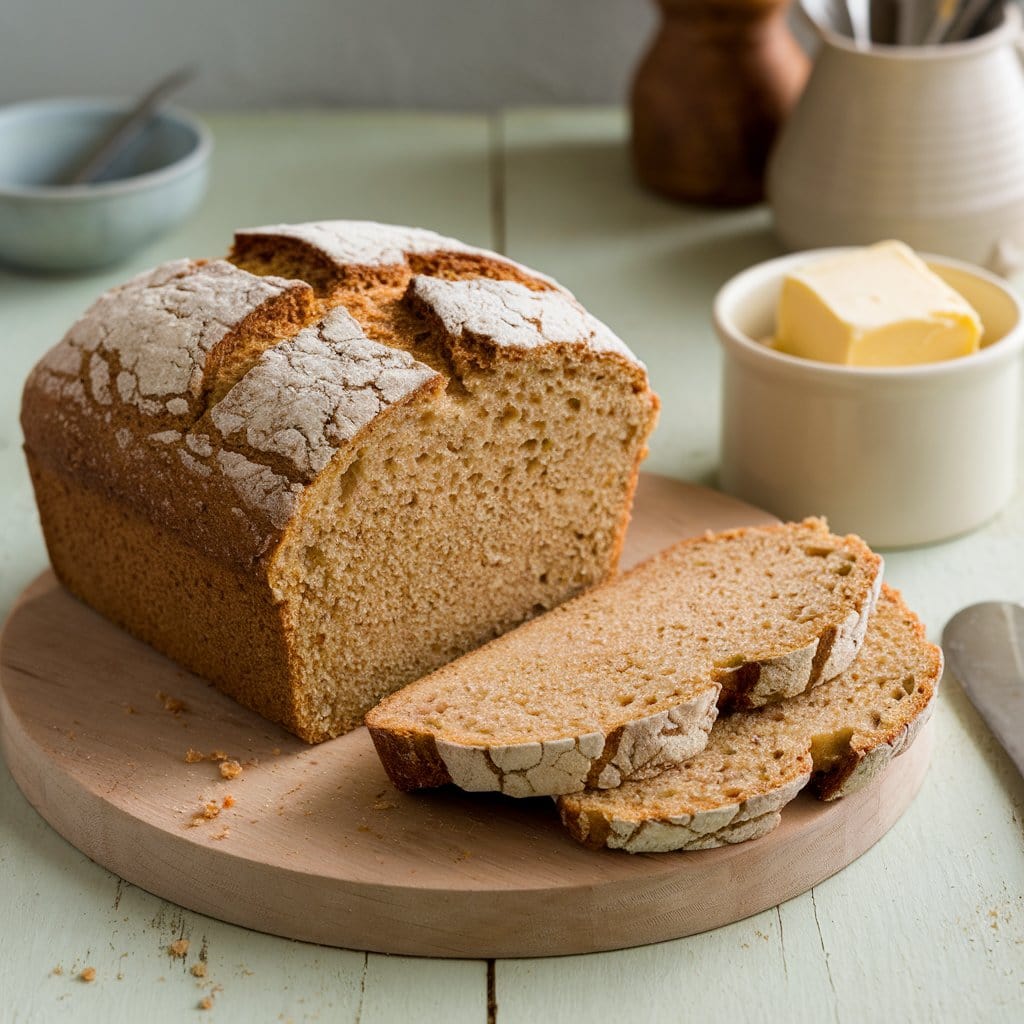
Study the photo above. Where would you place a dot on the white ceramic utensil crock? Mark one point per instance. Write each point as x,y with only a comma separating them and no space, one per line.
921,143
902,456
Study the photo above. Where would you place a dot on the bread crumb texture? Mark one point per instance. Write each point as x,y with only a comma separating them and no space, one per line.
625,681
178,949
837,737
87,974
328,464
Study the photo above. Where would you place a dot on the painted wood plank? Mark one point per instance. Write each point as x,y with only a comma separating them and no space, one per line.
432,170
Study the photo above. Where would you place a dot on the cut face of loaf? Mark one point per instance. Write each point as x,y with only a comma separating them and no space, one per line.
626,680
315,485
837,736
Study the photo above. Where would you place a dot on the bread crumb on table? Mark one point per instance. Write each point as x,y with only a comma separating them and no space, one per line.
222,834
230,769
178,948
228,801
193,756
87,974
206,1003
199,969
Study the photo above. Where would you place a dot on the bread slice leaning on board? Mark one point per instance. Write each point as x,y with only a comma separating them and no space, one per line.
836,737
329,464
626,680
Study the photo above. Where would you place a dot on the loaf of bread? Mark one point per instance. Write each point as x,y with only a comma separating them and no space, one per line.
626,680
837,736
327,465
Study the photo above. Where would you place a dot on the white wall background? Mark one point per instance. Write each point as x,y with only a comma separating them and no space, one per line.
448,54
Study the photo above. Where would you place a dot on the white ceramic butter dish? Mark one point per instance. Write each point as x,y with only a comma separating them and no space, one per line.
900,455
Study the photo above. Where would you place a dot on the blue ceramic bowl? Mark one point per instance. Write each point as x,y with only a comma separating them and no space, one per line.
151,185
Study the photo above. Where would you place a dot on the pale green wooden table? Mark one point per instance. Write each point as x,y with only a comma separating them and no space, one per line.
928,926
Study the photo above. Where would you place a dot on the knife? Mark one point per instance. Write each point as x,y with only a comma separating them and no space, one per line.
984,645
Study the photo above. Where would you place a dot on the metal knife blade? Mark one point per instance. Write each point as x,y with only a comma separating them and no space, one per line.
984,645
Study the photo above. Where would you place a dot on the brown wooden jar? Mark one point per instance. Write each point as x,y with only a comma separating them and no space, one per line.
710,95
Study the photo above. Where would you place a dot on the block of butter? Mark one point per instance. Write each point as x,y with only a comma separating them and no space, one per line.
876,306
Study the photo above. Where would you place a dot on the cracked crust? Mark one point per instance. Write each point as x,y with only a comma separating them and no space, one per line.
351,253
507,313
557,705
636,750
312,394
837,738
704,830
157,341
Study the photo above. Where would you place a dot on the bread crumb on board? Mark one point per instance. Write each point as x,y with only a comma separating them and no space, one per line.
59,969
198,969
206,1003
228,801
87,974
172,704
208,813
229,767
178,948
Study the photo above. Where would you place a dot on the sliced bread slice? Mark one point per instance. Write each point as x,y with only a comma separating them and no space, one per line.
625,681
838,736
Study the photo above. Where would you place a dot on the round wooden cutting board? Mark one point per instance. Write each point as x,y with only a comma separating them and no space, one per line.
314,843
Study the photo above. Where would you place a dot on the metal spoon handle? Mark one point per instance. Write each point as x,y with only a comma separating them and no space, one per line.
107,147
968,18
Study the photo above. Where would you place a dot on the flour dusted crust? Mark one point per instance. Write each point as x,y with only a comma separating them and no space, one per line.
311,394
638,749
705,830
836,739
510,314
148,342
361,242
191,434
345,245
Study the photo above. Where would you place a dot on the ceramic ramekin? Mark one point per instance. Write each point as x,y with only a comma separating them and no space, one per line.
902,456
156,180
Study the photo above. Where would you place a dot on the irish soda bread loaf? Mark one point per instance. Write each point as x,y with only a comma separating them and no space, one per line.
331,463
837,736
625,681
